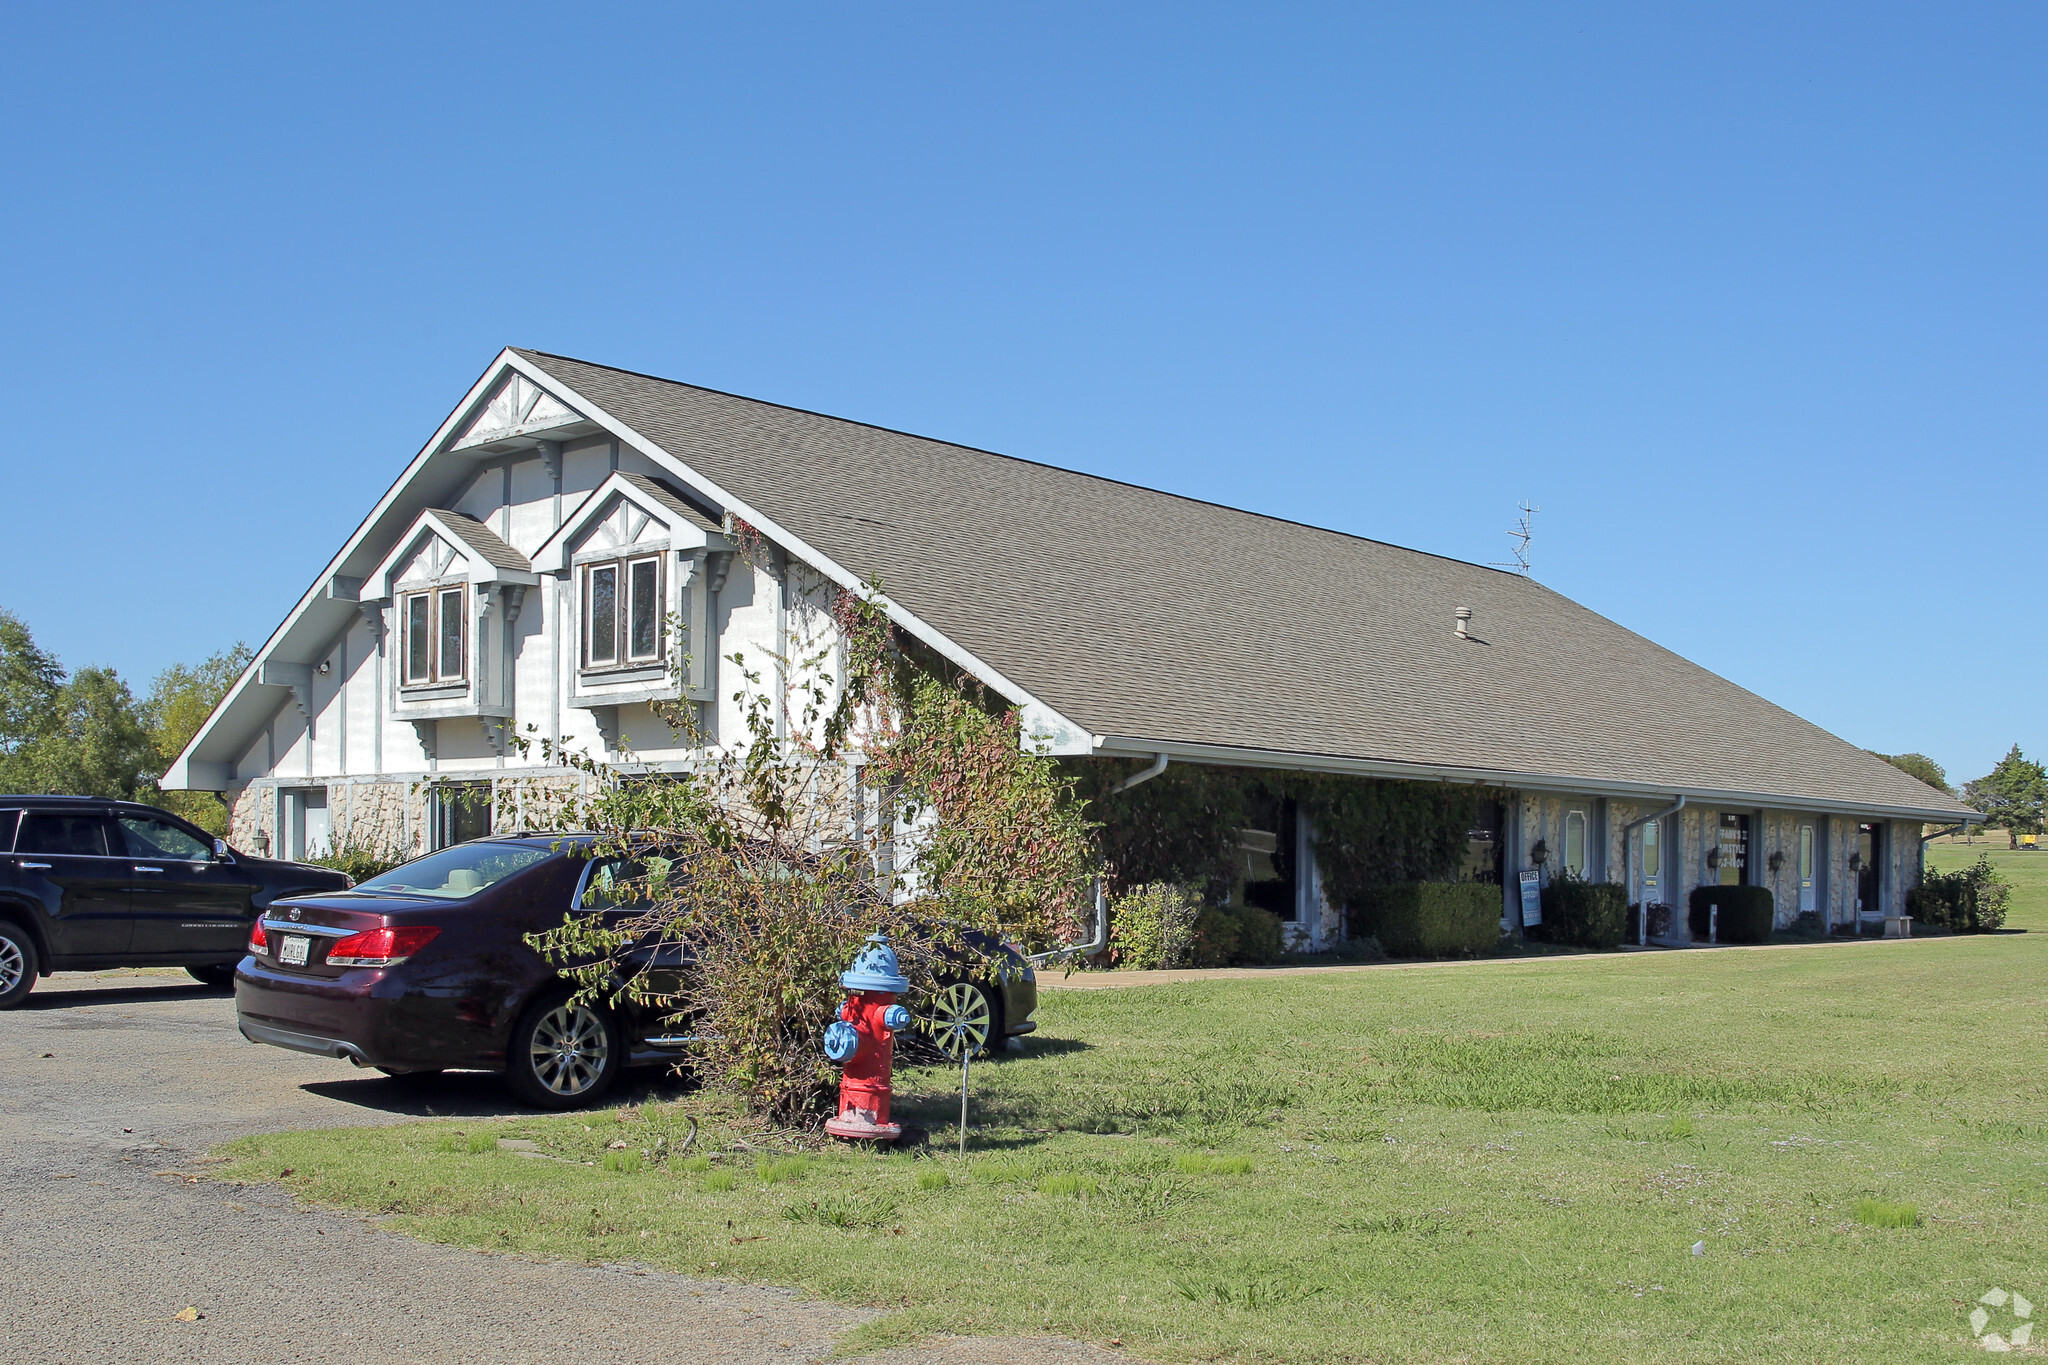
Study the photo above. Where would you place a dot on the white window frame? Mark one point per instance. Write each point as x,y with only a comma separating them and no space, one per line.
624,599
436,599
1584,860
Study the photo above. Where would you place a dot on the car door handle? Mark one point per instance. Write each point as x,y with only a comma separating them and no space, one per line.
40,867
140,868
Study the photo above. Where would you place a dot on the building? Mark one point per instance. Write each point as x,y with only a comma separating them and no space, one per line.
516,579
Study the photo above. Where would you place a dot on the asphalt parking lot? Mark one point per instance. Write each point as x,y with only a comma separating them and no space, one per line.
117,1084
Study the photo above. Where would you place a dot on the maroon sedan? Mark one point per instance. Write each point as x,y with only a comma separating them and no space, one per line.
426,968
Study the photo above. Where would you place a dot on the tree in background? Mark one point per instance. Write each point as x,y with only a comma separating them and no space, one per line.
179,701
85,734
1922,767
2013,795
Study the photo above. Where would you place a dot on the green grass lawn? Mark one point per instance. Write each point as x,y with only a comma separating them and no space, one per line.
1490,1161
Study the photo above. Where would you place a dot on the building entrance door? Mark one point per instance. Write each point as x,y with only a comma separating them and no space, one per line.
1809,891
1869,882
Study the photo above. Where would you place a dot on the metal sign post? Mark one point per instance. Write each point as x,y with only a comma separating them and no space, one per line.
966,1057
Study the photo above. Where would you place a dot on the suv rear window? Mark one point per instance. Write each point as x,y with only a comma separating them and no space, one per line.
62,833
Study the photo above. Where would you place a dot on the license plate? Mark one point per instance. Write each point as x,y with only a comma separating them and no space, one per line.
291,949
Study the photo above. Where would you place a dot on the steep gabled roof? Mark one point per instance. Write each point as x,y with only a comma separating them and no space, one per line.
1162,622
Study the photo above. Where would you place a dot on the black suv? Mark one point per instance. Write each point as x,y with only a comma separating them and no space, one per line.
88,883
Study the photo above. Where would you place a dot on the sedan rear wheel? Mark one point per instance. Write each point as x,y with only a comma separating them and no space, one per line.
962,1020
17,964
563,1055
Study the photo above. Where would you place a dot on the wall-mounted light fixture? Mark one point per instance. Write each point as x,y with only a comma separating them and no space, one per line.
1776,862
1713,857
1855,861
326,667
1539,853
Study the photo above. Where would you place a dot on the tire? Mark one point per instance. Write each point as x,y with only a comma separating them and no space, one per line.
963,1019
18,964
563,1056
218,976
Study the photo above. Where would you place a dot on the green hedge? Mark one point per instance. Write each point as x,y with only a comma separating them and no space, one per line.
1429,919
1587,914
1153,926
1746,916
1236,936
1970,901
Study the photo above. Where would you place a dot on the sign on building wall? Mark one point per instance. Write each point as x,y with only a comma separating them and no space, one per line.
1532,898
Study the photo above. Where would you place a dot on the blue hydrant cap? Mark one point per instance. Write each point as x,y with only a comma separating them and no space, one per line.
875,969
842,1040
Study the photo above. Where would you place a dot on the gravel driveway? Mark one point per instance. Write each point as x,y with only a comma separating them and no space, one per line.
115,1085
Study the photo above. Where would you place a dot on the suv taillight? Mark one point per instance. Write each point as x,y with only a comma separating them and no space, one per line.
257,942
380,947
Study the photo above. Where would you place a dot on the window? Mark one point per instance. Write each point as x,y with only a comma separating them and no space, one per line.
150,838
1805,854
456,874
78,836
622,616
1653,859
1733,843
1575,843
462,812
434,624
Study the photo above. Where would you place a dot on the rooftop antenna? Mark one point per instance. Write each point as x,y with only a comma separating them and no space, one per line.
1521,536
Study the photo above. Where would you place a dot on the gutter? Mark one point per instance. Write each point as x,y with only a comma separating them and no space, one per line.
1159,762
1643,914
1221,755
1927,839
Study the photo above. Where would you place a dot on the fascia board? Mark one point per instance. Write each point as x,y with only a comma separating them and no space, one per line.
378,587
1057,732
1125,746
202,744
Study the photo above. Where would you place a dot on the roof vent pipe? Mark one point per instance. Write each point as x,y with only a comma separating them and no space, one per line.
1464,621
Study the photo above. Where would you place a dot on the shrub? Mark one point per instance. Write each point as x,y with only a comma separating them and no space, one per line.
359,861
1153,926
1215,937
1258,935
1430,919
1971,901
1235,936
1588,914
1747,913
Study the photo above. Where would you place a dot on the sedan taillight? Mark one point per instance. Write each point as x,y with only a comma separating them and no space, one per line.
380,947
257,942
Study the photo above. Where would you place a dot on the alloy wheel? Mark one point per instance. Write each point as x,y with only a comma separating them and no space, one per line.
959,1020
13,963
570,1048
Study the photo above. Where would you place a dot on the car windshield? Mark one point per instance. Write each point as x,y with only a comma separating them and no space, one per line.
456,873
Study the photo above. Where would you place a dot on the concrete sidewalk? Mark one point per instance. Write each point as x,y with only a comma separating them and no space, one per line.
1115,980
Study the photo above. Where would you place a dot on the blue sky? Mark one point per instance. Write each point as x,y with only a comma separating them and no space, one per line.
1749,299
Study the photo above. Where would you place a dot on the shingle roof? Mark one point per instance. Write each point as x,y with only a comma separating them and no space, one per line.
1146,615
484,541
672,500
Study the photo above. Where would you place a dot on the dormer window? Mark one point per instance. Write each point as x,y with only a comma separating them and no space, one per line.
622,612
434,623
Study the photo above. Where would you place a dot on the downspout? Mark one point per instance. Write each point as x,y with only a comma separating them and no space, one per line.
1158,766
1628,863
1101,939
1920,869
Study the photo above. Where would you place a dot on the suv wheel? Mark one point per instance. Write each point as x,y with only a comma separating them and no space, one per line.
563,1055
17,964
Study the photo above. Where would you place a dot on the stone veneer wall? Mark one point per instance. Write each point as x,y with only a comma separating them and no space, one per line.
394,818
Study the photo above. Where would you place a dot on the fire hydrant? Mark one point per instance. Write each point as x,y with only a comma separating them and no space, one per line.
863,1039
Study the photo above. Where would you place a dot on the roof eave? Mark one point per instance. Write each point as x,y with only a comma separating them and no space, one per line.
1128,746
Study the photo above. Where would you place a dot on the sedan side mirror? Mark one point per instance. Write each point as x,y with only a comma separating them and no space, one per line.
221,852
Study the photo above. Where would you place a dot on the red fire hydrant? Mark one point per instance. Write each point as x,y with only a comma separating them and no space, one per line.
863,1039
